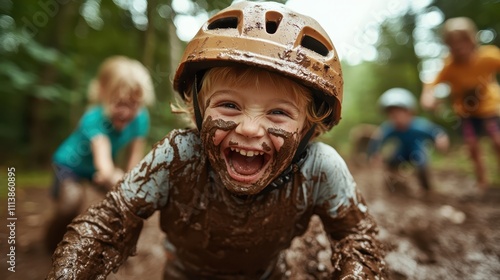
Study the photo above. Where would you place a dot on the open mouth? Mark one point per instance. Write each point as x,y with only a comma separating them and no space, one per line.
246,165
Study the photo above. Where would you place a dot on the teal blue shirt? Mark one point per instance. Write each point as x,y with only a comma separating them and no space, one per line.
76,152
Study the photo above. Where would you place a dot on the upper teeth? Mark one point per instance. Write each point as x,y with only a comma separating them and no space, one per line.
247,153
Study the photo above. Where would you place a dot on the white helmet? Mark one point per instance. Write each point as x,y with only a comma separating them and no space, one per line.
397,97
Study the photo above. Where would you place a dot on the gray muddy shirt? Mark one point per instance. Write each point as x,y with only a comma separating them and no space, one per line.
212,233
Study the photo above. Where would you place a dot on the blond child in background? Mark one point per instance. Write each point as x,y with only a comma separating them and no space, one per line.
470,71
261,81
117,119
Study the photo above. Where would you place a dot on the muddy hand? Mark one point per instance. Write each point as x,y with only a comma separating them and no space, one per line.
108,180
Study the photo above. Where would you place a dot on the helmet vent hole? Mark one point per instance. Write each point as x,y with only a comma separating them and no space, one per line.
271,27
273,20
224,23
314,45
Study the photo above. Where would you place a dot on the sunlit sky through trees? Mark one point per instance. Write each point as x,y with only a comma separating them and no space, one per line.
352,25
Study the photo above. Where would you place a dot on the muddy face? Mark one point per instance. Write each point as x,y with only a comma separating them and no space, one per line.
251,132
246,169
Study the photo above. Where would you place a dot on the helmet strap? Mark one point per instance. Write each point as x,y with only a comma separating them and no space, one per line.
197,112
303,144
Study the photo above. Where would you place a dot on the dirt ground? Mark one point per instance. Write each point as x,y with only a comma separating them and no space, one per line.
449,234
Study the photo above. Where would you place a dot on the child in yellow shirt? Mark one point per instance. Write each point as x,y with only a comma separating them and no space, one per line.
470,71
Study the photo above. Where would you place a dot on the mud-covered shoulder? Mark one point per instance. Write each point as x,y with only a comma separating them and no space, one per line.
176,135
323,160
146,187
330,177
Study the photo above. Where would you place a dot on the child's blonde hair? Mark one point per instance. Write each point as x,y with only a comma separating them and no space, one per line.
253,76
459,25
120,77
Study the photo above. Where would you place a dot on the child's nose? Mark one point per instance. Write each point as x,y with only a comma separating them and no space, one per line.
250,127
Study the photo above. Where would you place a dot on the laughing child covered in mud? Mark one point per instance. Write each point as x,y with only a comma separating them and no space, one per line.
260,82
117,119
470,70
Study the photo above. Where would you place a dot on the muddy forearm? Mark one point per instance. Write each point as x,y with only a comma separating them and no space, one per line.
356,251
97,242
359,255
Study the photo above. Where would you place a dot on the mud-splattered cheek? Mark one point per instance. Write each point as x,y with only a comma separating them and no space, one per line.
279,141
219,135
212,133
288,145
283,139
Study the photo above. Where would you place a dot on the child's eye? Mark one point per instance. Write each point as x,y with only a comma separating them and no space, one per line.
228,105
279,112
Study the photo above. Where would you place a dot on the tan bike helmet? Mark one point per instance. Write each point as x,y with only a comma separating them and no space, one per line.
270,36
